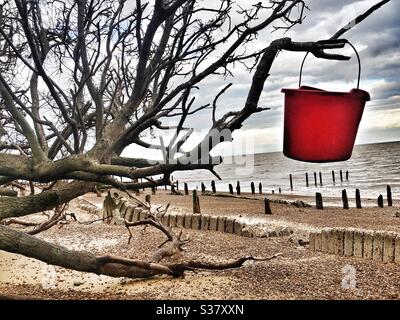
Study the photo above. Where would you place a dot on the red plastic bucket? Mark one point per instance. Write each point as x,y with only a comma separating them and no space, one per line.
319,125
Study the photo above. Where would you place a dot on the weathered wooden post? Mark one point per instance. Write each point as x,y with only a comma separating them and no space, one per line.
380,201
345,199
267,206
153,190
318,200
177,184
230,189
185,186
333,176
253,188
347,175
147,198
260,188
341,175
315,178
173,189
291,182
203,188
306,179
280,190
320,178
238,188
196,202
389,195
358,199
213,186
273,191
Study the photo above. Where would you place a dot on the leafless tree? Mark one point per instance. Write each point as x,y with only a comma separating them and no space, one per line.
81,80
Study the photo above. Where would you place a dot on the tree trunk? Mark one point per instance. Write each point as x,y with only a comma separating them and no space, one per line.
20,242
21,206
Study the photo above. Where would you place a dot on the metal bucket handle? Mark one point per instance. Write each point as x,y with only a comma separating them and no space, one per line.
358,58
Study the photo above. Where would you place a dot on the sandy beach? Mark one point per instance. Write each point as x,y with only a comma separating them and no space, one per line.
298,274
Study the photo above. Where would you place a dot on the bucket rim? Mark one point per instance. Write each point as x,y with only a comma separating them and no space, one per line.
353,93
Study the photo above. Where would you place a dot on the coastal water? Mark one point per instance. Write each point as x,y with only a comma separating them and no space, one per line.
371,168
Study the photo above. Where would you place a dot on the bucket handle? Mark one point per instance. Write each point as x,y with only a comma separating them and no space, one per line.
358,58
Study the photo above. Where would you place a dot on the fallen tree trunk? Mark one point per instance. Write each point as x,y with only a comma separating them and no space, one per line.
21,206
8,192
19,242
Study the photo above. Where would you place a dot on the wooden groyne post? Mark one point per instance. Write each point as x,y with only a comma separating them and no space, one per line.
315,178
153,190
147,198
291,182
320,178
347,175
196,202
345,199
230,189
341,175
238,188
333,176
260,188
203,188
253,188
318,201
185,187
267,206
358,199
389,195
380,201
306,179
213,189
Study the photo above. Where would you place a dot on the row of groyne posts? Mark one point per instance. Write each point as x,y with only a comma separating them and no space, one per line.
318,195
345,199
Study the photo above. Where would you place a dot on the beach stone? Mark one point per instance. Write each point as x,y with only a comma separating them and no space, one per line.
368,244
348,242
205,221
229,225
358,245
237,228
389,246
196,221
129,213
377,253
213,223
339,241
221,224
172,220
324,239
180,220
397,249
187,221
397,214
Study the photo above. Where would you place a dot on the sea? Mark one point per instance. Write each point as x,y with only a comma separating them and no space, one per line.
371,169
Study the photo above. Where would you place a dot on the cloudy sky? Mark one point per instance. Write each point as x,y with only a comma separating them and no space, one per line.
377,40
